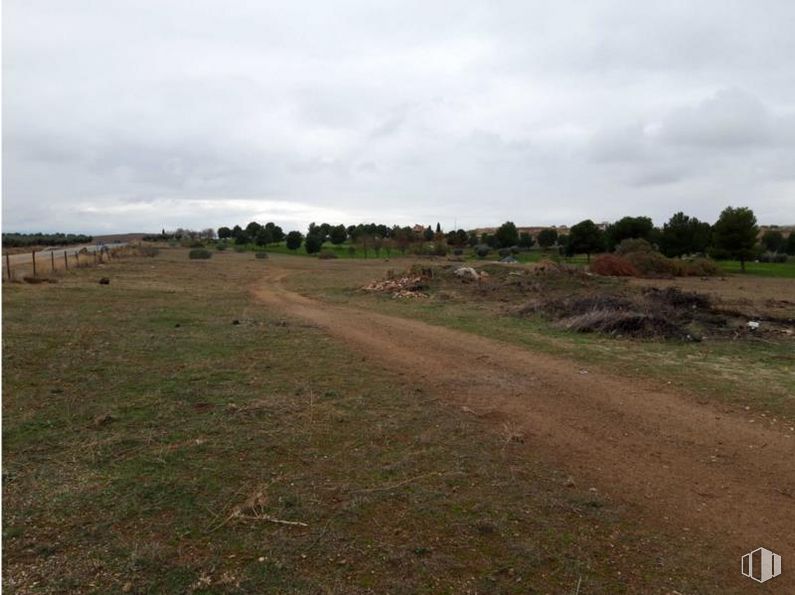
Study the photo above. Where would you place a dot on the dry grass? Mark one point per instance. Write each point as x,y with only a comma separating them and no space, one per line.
138,419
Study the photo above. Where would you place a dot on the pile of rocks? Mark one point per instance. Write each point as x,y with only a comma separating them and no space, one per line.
409,286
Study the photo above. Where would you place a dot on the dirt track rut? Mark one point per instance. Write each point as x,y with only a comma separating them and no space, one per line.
684,466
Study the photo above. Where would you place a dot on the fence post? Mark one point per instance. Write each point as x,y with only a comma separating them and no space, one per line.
8,266
77,259
34,262
52,261
65,261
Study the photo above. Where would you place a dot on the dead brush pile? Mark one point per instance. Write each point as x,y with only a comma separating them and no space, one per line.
654,314
411,284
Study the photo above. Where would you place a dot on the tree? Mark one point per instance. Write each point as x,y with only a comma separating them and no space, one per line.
276,232
242,238
526,240
547,237
223,233
586,237
338,235
428,234
506,235
313,243
438,228
294,240
735,233
684,235
263,237
790,249
629,227
773,241
252,229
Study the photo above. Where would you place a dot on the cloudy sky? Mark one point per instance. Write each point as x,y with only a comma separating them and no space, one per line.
138,115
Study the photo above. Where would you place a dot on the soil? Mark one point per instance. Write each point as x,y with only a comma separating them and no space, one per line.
698,471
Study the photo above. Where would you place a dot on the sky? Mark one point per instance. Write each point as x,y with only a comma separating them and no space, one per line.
133,116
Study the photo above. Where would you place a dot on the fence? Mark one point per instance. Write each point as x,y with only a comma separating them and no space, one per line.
36,263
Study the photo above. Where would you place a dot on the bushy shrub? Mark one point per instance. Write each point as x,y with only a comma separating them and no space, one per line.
613,265
482,250
351,250
515,250
503,252
655,264
240,248
458,252
200,254
630,245
220,247
260,254
772,257
440,249
327,255
196,244
702,267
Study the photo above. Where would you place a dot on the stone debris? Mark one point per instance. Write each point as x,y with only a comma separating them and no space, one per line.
407,287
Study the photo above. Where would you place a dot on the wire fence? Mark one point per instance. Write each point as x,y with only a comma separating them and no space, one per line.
34,265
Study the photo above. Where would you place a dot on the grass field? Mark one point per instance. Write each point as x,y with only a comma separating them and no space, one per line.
150,444
347,250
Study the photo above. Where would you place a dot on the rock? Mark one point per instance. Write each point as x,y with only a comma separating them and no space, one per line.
753,325
467,274
509,259
103,420
569,483
235,321
104,281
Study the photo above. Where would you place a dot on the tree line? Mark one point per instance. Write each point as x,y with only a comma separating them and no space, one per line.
16,240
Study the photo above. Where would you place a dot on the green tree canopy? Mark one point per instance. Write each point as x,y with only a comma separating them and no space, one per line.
734,233
547,237
587,238
684,235
773,240
294,240
629,227
507,235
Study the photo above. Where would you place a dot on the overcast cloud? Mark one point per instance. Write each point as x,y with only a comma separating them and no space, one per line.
133,116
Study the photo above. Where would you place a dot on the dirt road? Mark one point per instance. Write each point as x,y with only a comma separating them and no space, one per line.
689,469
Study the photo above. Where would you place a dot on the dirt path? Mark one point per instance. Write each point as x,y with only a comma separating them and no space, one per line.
686,468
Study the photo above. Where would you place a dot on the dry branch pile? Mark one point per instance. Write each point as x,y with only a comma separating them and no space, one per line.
409,286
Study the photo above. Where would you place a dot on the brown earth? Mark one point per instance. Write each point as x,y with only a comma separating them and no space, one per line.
694,471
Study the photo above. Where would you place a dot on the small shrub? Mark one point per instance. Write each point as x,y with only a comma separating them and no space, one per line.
458,252
702,267
326,255
514,250
351,251
200,254
630,245
654,263
482,250
260,254
149,251
613,265
240,248
220,247
773,257
196,244
503,252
